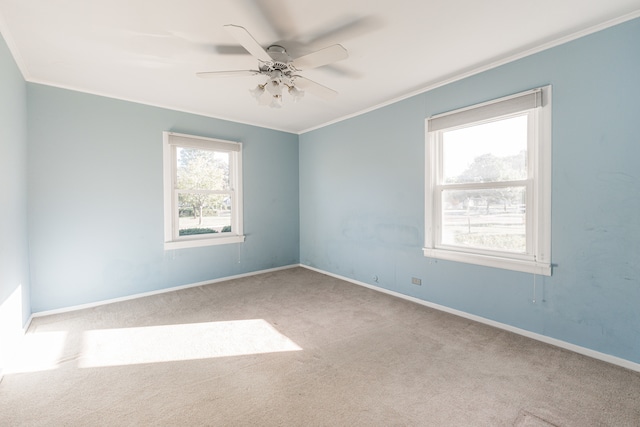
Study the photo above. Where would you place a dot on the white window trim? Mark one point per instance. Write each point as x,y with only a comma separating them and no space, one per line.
538,261
171,238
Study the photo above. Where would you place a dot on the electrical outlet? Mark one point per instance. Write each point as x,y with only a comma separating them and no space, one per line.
416,281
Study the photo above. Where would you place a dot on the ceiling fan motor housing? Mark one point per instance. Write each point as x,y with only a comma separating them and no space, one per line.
278,53
281,62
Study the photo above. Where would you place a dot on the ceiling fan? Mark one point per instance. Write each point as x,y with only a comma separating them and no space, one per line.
280,70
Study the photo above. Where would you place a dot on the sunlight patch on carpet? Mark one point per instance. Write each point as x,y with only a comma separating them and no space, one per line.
37,352
10,326
168,343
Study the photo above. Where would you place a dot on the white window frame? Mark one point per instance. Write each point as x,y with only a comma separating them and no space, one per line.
537,258
172,239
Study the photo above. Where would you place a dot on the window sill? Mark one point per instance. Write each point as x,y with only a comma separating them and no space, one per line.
195,243
542,269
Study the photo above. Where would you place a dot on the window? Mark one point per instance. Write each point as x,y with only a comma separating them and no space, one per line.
488,184
202,191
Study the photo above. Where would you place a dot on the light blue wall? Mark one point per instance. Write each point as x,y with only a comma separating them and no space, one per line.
362,198
14,264
96,199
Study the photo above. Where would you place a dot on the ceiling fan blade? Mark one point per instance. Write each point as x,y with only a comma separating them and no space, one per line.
232,73
315,88
342,71
321,57
275,15
345,30
226,49
248,42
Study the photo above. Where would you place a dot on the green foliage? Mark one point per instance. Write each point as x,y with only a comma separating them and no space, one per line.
226,229
191,231
490,168
505,242
200,169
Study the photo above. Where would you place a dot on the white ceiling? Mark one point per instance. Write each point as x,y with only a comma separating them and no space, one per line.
148,51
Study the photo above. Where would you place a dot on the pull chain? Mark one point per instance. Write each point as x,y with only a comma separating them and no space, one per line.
534,288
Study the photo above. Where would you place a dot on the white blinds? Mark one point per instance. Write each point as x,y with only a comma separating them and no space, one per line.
500,107
201,142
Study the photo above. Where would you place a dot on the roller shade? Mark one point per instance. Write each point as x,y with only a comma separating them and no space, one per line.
201,142
500,107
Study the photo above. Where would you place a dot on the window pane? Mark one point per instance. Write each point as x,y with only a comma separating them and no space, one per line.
490,152
199,169
204,213
493,219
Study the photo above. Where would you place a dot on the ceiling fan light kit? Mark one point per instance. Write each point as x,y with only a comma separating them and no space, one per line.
270,92
280,70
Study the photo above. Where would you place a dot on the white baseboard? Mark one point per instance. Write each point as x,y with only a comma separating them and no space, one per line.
543,338
147,294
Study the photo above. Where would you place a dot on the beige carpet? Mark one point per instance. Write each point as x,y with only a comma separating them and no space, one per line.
299,348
